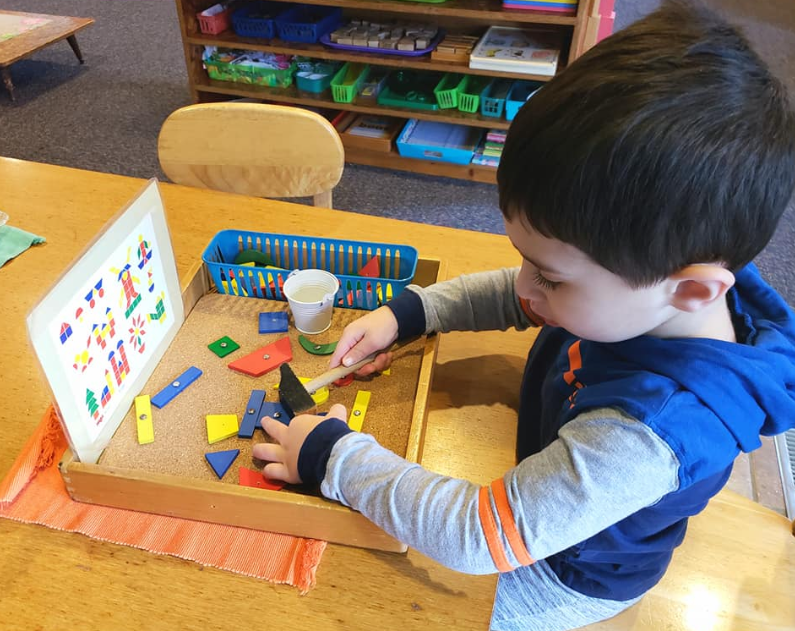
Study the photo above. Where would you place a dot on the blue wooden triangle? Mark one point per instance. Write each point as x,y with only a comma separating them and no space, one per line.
220,461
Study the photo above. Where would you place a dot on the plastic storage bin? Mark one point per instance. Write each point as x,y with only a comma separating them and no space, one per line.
520,92
346,83
440,142
315,76
257,19
470,95
214,23
307,23
251,67
449,88
411,88
343,258
492,101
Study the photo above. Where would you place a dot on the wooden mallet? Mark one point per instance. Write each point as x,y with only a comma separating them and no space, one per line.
296,397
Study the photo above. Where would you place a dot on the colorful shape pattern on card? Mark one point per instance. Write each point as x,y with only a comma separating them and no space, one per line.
176,387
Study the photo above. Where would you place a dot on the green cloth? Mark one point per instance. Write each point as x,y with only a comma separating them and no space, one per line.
14,242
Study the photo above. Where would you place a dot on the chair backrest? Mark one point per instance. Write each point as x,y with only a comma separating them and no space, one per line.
253,149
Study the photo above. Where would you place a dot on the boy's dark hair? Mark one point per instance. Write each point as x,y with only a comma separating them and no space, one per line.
668,144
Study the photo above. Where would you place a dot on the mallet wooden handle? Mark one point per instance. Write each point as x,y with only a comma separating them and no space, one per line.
343,371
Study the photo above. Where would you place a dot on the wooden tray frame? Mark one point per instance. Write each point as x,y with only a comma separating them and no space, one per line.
260,509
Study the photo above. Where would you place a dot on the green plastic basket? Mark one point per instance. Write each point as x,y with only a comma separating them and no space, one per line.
449,88
469,98
348,81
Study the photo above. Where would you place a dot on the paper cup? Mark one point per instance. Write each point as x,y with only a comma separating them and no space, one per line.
311,294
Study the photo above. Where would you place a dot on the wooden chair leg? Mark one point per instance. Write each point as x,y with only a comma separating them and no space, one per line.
72,39
323,200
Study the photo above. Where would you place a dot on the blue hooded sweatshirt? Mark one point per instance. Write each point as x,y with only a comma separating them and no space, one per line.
707,399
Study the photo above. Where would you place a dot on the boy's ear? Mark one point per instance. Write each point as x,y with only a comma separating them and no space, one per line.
698,286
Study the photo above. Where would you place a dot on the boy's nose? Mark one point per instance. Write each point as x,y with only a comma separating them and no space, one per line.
526,287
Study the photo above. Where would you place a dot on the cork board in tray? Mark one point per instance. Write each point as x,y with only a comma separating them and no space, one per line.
171,476
180,429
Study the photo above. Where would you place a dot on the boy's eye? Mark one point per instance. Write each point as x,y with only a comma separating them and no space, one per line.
544,282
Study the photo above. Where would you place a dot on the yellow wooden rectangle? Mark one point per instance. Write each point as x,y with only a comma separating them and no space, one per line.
143,419
359,410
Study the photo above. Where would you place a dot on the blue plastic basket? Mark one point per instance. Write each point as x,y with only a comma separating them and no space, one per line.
245,22
344,259
520,92
307,23
492,103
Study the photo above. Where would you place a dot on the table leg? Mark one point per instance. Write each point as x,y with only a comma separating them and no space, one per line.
72,39
6,72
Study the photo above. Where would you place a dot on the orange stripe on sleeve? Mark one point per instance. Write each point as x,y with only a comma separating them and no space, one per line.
509,524
575,362
490,531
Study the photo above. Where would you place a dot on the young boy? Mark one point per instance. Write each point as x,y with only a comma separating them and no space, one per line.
637,185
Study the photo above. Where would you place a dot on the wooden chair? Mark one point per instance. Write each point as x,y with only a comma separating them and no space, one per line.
735,571
253,149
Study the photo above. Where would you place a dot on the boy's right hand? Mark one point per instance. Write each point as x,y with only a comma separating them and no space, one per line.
365,336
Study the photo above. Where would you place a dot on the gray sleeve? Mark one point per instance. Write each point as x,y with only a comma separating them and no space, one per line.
484,301
578,486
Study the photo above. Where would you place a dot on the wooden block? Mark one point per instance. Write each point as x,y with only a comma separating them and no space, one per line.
220,461
275,410
220,427
251,415
356,419
273,322
176,387
249,477
264,359
143,418
372,269
223,346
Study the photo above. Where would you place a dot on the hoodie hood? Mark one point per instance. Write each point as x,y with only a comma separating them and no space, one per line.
749,385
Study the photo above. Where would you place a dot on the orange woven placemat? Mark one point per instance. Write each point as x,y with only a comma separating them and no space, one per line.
33,492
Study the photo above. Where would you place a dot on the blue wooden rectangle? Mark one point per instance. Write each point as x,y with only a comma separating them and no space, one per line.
275,410
251,416
176,387
273,322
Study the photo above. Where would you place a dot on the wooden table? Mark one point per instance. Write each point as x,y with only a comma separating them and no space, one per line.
736,570
57,27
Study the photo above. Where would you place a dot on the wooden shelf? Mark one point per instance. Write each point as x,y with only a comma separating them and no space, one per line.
394,160
490,11
453,15
318,51
293,95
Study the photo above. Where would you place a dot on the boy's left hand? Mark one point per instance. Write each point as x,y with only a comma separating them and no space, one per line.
282,456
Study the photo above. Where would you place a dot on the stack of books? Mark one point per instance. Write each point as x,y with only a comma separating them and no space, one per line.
566,7
489,151
517,50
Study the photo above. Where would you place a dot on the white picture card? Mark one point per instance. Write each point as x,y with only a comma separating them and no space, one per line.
103,327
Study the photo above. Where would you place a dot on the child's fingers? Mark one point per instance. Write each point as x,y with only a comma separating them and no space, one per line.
351,336
270,452
275,429
338,411
277,471
379,364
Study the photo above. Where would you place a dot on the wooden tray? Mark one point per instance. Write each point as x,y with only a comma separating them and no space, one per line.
158,485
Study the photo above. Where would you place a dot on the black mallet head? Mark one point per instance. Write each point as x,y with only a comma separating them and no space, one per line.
292,393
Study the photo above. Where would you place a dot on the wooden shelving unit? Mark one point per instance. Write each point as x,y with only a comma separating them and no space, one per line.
454,15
